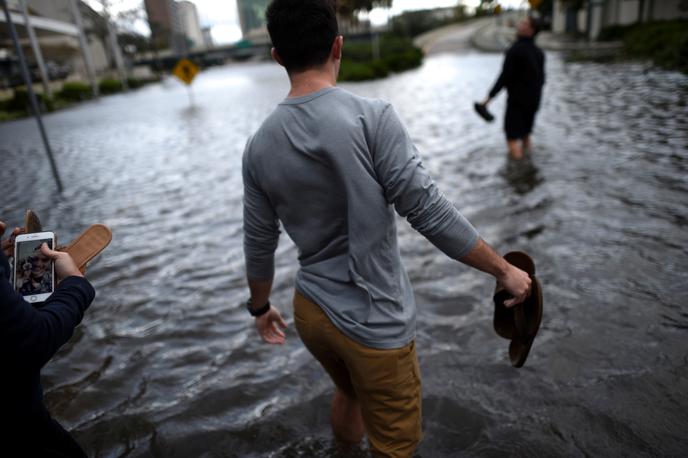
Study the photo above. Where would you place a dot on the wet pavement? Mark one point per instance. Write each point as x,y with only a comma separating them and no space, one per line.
166,362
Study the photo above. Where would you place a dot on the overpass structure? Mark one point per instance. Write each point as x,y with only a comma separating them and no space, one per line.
243,50
43,25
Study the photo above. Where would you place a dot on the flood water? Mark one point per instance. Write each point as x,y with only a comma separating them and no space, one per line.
167,363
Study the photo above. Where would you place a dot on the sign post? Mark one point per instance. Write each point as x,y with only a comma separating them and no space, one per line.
186,71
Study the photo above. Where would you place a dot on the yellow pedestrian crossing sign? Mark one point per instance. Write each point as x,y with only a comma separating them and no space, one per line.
185,70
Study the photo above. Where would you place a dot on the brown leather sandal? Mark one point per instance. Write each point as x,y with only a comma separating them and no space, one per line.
32,223
89,244
520,323
83,248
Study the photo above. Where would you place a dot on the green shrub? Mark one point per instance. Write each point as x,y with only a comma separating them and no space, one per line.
665,42
396,54
110,86
380,68
411,58
135,83
74,91
20,102
355,71
614,32
358,51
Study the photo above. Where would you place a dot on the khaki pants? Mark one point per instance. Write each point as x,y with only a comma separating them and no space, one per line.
386,382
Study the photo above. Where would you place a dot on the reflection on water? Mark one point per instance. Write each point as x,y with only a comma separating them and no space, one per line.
166,362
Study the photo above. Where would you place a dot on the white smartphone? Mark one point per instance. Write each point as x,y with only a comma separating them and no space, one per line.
34,273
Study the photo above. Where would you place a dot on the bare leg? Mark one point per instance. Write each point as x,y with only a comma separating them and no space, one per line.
515,149
527,145
346,418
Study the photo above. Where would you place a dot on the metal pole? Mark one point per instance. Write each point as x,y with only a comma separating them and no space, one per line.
36,50
84,47
32,95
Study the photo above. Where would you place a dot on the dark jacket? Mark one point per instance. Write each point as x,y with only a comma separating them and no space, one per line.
29,337
523,74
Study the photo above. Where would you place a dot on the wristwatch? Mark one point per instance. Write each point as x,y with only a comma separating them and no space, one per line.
261,311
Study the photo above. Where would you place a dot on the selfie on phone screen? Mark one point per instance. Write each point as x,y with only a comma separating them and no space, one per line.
33,272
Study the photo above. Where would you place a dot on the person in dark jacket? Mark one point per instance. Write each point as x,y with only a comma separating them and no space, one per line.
523,75
29,337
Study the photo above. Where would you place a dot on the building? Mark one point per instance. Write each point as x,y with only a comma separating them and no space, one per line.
594,15
207,38
252,19
160,20
57,36
190,25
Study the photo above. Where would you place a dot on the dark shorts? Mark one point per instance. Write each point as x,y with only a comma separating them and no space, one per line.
518,121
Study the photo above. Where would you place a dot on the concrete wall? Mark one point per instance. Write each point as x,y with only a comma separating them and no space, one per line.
558,18
583,19
616,12
53,9
626,12
662,10
595,21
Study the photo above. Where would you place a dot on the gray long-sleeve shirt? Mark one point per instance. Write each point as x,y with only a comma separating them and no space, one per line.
332,167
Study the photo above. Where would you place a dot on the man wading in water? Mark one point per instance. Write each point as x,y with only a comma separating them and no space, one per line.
333,167
523,75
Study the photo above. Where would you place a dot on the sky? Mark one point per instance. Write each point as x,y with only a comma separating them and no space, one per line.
222,17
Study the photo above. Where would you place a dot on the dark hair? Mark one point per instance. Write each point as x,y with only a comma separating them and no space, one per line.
302,31
535,24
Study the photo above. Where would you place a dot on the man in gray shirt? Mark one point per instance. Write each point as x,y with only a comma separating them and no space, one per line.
333,168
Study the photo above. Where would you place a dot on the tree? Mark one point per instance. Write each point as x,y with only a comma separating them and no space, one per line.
486,7
349,8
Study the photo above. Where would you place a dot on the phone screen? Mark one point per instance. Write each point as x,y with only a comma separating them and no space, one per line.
33,273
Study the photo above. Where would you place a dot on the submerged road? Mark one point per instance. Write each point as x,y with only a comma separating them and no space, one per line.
167,363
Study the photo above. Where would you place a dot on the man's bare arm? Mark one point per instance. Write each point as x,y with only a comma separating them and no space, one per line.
514,280
270,325
260,292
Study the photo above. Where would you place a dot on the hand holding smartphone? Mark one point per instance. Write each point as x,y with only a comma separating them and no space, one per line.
34,272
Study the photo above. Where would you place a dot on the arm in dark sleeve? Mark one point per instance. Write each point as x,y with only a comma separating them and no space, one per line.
414,194
506,76
32,336
261,227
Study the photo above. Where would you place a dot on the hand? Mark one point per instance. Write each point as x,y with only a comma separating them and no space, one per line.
517,283
269,324
486,101
7,246
64,264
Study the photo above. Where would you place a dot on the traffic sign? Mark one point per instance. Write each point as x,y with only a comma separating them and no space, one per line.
185,70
